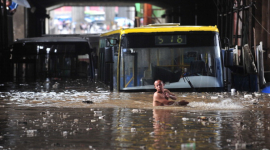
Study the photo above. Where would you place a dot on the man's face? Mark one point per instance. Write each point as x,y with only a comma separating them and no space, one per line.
8,3
159,86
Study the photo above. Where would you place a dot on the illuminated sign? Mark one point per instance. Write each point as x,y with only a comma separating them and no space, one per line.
170,39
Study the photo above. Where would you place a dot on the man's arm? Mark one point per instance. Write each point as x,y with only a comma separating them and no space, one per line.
169,94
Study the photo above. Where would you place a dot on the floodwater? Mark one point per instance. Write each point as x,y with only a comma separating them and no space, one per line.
100,120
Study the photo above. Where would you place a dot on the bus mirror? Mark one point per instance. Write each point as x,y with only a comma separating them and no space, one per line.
110,42
114,41
108,55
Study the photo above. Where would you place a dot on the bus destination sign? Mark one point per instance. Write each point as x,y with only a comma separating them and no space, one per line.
170,39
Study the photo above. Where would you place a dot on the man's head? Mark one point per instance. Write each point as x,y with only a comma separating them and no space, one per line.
159,86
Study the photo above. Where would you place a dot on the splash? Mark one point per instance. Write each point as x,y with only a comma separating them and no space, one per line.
224,104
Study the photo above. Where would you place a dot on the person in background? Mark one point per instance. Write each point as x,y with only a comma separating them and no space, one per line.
11,6
161,96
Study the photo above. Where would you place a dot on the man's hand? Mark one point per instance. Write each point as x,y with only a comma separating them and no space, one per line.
167,95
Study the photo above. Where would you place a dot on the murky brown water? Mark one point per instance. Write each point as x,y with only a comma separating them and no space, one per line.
52,120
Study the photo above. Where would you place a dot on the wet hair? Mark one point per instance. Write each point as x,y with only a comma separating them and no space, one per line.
158,80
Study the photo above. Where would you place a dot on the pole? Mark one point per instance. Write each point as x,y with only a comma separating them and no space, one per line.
147,14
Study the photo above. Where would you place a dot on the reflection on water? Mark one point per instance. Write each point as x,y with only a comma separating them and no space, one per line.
61,120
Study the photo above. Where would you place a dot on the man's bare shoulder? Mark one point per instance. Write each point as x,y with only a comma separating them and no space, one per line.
156,95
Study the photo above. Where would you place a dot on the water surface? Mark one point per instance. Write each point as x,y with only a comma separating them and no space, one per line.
61,120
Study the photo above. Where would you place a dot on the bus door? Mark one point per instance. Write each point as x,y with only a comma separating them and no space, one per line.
107,66
129,78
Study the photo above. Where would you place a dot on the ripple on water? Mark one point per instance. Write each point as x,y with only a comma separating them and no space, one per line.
73,98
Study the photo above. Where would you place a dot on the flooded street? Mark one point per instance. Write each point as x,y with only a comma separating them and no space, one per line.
100,119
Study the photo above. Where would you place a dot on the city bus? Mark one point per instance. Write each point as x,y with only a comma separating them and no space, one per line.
61,59
185,58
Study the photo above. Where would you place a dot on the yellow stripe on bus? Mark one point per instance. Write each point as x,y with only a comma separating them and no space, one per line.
161,29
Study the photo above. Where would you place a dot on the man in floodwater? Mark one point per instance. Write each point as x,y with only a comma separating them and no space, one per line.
161,96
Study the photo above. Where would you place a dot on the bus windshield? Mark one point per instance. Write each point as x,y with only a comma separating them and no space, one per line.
184,61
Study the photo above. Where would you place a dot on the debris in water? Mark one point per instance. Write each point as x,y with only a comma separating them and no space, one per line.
31,133
22,123
220,96
188,146
45,124
135,110
232,91
97,112
152,133
101,117
56,85
185,119
247,96
240,145
214,97
239,124
65,133
142,147
212,119
203,118
133,129
88,102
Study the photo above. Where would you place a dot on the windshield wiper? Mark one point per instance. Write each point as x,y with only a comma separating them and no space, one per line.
187,79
